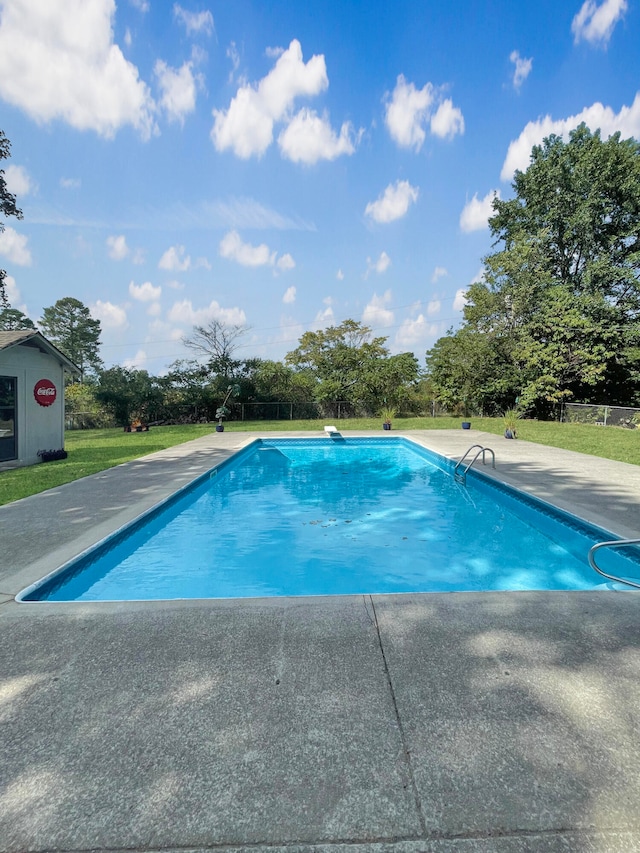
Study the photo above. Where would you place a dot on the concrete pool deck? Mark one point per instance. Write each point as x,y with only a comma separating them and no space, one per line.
470,722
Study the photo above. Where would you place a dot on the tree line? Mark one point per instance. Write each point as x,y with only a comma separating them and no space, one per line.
338,365
343,365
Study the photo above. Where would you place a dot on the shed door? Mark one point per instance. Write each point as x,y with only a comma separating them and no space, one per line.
8,439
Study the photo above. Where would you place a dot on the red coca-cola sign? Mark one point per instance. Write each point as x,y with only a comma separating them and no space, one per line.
45,392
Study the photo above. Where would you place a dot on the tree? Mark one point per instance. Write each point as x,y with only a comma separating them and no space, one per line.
11,320
347,364
82,409
559,302
69,325
218,342
8,207
128,394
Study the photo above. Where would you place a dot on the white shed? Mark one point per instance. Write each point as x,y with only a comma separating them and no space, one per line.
32,373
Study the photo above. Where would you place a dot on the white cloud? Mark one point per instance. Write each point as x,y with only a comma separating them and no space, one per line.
246,127
309,138
475,214
185,314
289,296
595,23
138,362
178,87
70,183
13,294
522,68
140,5
381,265
18,180
415,331
138,257
376,314
154,310
460,299
111,316
159,330
408,110
448,120
14,247
285,262
232,248
202,263
145,292
174,259
393,203
194,22
438,272
64,65
433,307
340,275
118,249
627,121
324,318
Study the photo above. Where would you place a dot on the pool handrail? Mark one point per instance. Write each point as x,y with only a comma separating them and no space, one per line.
462,477
611,543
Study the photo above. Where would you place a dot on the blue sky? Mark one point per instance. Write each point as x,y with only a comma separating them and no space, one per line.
284,165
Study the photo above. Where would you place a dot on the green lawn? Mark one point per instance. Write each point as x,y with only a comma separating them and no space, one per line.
91,451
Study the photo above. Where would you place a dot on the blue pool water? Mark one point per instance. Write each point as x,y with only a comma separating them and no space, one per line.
325,517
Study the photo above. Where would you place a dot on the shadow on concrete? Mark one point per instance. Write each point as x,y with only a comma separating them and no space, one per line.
492,721
520,710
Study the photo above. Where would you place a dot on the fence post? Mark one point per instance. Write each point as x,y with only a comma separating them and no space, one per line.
606,413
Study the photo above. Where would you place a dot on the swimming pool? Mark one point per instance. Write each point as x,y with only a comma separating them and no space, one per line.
336,516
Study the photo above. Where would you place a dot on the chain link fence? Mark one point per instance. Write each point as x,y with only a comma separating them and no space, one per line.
587,413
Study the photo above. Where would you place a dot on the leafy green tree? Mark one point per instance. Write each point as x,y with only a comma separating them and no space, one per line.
69,325
82,409
128,394
345,363
190,392
8,207
559,303
12,320
275,382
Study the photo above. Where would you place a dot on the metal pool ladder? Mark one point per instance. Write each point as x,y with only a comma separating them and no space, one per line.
612,543
461,476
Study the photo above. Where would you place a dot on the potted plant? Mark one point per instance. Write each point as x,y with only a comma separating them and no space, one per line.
388,415
510,419
222,411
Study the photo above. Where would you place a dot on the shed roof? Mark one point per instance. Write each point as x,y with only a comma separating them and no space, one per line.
30,338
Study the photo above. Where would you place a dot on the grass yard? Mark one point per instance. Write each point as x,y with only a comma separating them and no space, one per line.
91,451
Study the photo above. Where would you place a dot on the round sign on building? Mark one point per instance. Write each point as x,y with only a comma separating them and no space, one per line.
45,392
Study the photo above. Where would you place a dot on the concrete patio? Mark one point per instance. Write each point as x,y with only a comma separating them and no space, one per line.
445,722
